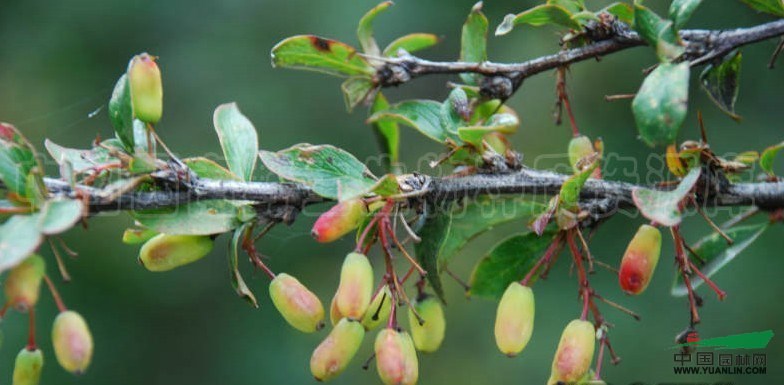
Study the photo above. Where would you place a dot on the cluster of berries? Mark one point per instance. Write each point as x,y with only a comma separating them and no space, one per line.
71,338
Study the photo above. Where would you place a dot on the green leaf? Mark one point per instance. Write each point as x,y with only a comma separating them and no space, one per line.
423,115
411,43
774,7
59,215
19,237
329,171
659,33
573,6
624,12
504,123
17,159
234,272
206,168
662,206
660,105
570,190
473,41
387,185
386,130
135,236
81,160
315,53
768,156
479,216
509,261
721,82
121,113
715,251
198,218
681,11
356,90
365,29
538,16
238,139
434,233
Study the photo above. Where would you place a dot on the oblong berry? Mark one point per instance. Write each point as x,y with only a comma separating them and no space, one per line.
378,312
514,320
144,78
640,259
164,252
356,286
396,359
336,351
27,368
574,354
428,335
339,220
23,283
73,342
579,148
298,305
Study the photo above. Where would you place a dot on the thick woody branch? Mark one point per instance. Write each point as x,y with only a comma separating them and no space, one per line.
503,79
600,197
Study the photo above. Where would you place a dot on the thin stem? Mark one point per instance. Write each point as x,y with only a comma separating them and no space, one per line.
612,98
55,294
583,278
60,264
720,293
712,224
466,287
249,245
31,329
548,254
402,249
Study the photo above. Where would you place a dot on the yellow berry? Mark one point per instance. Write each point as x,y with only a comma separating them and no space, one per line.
298,305
336,351
514,321
356,286
73,343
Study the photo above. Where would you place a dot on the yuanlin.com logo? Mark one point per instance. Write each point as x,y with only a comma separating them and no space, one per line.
722,355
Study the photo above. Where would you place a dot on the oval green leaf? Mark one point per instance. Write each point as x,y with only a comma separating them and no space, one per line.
315,53
660,105
238,139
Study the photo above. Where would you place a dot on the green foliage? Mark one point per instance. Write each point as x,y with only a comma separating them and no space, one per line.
239,285
410,43
450,228
206,168
17,159
662,207
681,11
422,115
773,7
622,11
509,261
197,218
768,156
365,29
659,33
473,41
721,81
660,105
319,54
717,253
327,170
19,237
58,215
538,16
238,140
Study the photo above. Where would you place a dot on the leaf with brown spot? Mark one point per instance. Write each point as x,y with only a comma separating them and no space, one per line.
315,53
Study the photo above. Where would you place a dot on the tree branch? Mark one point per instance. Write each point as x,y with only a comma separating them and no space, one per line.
599,197
701,46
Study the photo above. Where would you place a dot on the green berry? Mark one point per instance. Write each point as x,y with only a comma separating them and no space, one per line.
144,77
298,305
356,286
333,355
27,368
379,310
23,283
164,252
428,335
514,321
73,343
574,354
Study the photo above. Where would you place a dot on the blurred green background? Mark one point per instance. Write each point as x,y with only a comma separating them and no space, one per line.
59,61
